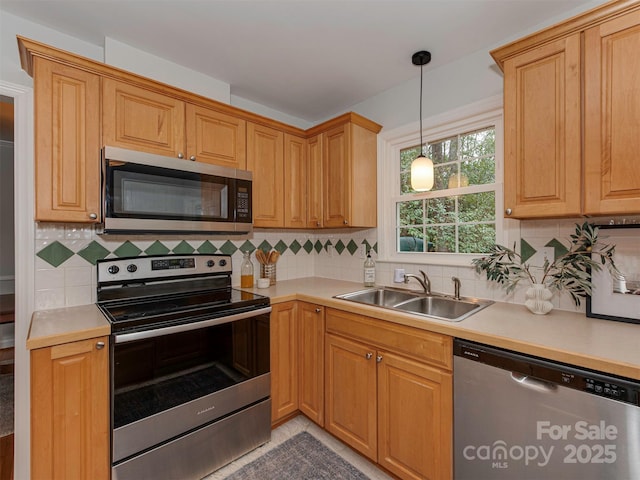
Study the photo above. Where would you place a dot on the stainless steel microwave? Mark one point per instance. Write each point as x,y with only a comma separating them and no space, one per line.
146,193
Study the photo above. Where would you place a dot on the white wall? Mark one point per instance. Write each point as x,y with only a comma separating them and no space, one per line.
11,25
137,61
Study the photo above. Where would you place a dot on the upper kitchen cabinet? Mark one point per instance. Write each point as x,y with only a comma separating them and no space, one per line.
217,138
349,171
265,158
67,143
542,131
141,119
314,181
612,116
295,181
571,104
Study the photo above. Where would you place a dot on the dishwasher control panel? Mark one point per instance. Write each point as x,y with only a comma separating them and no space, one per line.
523,366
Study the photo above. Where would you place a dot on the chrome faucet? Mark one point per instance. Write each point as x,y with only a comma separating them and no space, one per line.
456,287
424,281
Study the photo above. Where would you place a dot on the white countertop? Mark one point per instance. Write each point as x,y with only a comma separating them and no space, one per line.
568,337
608,346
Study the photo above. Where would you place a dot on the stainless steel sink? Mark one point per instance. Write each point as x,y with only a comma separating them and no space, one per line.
432,305
382,297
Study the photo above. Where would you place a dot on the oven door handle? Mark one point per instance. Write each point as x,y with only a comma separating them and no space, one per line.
130,337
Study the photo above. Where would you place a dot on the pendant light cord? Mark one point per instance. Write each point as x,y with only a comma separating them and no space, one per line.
421,142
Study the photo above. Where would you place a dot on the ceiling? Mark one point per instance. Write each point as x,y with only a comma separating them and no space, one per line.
306,58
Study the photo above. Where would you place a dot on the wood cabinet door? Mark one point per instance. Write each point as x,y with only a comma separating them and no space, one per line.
284,362
70,404
542,121
314,182
216,138
311,357
350,394
295,181
67,143
140,119
336,177
612,116
265,158
415,419
363,167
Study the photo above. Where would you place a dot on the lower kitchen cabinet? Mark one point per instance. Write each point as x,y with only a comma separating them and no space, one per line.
284,362
389,394
70,411
311,361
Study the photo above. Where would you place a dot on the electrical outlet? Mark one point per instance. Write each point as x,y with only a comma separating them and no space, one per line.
543,253
330,250
362,251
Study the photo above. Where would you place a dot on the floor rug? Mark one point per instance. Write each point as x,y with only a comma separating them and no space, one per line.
302,457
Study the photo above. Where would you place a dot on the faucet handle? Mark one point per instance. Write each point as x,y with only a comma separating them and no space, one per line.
456,287
424,275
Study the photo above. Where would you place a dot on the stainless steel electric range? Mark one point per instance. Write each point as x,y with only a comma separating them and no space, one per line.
190,381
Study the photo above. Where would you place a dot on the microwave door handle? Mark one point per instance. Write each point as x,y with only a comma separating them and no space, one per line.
130,337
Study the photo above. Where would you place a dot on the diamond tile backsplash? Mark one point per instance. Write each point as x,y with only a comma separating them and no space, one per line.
66,256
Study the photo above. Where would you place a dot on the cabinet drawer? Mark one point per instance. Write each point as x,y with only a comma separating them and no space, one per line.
419,344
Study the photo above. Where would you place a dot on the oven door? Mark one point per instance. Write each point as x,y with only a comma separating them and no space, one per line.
169,381
149,193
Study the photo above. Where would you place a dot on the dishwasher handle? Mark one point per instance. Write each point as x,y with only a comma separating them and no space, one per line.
534,383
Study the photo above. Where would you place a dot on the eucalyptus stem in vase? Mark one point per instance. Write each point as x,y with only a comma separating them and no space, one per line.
570,271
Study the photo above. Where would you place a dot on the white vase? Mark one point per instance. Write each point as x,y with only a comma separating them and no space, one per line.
538,296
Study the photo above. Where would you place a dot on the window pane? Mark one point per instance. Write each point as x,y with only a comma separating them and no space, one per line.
441,239
407,156
444,150
441,210
405,183
477,207
477,144
479,171
441,174
476,238
410,240
411,213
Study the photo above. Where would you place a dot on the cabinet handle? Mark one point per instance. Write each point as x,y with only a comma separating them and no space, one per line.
317,224
192,158
369,355
508,211
93,216
378,358
318,310
180,155
346,222
99,345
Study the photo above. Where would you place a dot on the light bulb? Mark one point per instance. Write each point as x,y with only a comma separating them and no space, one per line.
422,174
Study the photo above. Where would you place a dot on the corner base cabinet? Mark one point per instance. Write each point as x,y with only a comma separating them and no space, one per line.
389,394
70,411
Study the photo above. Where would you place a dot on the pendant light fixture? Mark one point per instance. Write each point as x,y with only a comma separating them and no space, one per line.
422,166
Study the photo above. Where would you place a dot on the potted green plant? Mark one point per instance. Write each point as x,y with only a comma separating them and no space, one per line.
569,272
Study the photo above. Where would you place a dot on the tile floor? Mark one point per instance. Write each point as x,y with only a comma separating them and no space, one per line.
290,429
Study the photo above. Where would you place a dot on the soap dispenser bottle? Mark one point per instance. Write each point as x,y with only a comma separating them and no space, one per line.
369,271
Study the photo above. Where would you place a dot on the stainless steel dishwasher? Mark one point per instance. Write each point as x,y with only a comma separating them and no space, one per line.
523,418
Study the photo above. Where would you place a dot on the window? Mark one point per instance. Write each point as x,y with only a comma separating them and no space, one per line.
461,215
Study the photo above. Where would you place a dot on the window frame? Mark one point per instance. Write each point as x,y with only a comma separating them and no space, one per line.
461,120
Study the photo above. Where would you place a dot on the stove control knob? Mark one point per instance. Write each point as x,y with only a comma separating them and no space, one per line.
222,262
131,268
210,263
113,269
